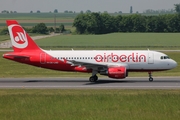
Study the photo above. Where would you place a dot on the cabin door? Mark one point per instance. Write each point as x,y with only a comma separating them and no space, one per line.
150,58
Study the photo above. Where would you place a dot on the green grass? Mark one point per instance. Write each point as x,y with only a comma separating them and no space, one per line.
28,16
4,37
16,70
25,16
89,104
7,37
115,41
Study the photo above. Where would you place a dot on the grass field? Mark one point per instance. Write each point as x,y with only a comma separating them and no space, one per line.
36,16
114,41
30,20
23,16
89,104
7,37
4,37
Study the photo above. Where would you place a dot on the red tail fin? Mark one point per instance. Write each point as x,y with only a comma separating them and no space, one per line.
20,39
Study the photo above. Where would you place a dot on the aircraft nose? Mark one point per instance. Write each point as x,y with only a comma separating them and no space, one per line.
173,64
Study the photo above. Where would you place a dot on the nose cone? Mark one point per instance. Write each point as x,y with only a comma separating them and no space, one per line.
173,64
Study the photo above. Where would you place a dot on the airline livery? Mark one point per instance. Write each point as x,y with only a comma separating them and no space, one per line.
112,63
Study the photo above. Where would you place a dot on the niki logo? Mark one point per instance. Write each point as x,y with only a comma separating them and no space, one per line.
18,36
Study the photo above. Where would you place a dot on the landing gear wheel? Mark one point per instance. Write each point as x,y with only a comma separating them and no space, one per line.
150,79
96,78
93,78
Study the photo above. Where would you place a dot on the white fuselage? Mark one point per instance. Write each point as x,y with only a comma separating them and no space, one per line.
132,60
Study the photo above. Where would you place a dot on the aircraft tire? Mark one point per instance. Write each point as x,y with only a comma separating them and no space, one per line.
150,79
93,78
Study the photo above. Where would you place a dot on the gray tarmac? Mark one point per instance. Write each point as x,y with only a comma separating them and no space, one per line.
83,83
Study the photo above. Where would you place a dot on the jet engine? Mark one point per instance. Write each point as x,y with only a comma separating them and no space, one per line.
116,72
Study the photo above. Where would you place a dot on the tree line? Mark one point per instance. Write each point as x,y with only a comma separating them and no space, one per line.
102,23
40,28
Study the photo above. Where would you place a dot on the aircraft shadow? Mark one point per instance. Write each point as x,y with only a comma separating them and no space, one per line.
108,81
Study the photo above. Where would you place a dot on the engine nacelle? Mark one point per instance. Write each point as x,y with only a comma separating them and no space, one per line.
117,72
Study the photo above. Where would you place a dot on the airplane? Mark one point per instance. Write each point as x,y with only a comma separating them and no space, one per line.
112,63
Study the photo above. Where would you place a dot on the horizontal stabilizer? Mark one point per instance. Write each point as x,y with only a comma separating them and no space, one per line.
14,56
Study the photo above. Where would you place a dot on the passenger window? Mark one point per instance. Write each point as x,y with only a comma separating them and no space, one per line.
162,57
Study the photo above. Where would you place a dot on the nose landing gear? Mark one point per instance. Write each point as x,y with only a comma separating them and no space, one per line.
150,77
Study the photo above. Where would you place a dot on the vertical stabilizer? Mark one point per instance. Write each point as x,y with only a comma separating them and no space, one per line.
20,39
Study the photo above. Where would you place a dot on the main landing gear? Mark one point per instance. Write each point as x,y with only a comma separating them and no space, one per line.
150,77
94,77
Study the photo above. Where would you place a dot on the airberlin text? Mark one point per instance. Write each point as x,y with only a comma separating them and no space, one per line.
133,57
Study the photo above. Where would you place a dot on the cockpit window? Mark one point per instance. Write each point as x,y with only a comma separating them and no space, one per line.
165,57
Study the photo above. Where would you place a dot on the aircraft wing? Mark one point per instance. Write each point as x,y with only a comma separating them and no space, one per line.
94,65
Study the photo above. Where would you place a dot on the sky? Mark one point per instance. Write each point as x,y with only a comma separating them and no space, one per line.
94,5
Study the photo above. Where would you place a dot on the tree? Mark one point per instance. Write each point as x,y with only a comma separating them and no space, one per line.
55,11
57,30
151,23
88,11
177,7
80,23
70,11
108,23
131,9
51,29
38,11
173,24
31,11
4,31
4,11
62,28
120,12
40,28
138,23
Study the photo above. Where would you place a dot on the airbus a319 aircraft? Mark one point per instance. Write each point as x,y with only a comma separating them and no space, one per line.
112,63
